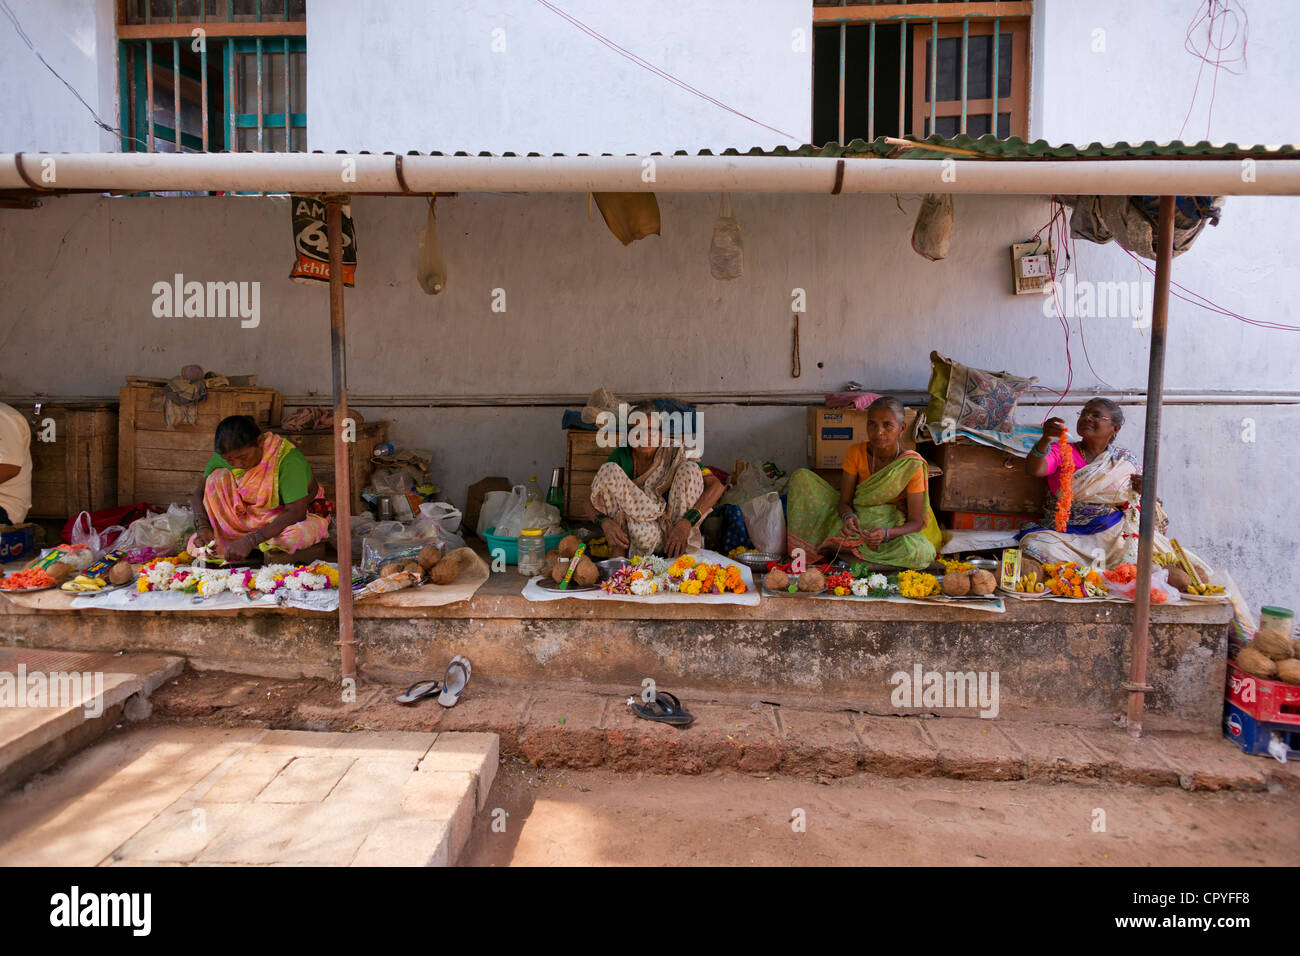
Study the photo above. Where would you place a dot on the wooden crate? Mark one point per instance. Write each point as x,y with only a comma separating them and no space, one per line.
981,479
77,471
163,465
318,447
582,460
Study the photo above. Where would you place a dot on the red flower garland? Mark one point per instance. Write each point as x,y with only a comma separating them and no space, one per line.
1065,497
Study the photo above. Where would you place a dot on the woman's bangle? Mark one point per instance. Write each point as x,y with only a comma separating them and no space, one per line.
887,530
1036,453
692,515
601,519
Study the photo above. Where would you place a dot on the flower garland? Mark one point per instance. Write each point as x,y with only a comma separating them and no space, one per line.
686,575
167,574
1065,497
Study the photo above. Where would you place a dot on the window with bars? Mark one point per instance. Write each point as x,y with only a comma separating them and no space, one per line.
920,67
213,75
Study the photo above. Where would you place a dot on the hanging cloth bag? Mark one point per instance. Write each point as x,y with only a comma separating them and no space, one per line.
726,252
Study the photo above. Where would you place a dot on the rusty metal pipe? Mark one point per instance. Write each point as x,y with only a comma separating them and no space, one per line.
1137,685
342,479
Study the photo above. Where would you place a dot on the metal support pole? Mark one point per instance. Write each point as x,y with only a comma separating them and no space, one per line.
1137,685
342,479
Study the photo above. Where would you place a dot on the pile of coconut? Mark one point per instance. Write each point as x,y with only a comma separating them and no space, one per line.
1272,657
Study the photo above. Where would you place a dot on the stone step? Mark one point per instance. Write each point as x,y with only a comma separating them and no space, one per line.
53,703
557,727
166,795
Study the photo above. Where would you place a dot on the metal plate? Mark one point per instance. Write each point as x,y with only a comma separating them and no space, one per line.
549,584
28,590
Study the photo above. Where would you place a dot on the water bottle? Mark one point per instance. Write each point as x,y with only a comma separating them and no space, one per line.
534,490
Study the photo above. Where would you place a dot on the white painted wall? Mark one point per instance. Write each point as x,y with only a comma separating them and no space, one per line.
511,75
37,111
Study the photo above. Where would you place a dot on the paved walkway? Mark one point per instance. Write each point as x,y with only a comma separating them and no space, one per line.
239,796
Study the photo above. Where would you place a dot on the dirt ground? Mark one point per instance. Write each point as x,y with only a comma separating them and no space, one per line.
602,818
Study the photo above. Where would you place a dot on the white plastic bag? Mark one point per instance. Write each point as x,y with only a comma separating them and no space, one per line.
765,522
727,251
538,514
166,532
1159,582
440,514
511,519
489,514
84,534
751,482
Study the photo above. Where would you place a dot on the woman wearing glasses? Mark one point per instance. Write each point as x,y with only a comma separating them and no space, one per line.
1105,475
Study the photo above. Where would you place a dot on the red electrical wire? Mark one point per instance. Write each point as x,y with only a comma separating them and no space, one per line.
662,74
1215,13
1202,302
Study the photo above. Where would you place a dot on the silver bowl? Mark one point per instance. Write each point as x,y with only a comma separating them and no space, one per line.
610,566
758,560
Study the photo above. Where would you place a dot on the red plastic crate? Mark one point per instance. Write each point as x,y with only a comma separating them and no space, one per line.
1267,701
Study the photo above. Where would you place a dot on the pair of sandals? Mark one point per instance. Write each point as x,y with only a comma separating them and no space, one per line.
448,689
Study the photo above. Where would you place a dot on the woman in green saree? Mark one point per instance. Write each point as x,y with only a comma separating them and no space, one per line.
881,512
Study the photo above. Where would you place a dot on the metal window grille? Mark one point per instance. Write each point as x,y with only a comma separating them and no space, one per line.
919,67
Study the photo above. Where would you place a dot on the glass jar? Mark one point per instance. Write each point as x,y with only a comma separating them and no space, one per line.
1278,620
532,551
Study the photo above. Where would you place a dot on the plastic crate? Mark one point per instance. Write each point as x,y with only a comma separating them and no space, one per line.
1270,701
1253,736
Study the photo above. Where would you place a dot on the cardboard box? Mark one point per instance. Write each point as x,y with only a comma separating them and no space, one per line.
17,541
833,431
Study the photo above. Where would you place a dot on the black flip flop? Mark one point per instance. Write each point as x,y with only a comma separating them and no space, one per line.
419,691
666,709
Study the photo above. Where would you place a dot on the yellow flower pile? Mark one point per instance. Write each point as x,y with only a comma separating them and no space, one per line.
917,584
952,564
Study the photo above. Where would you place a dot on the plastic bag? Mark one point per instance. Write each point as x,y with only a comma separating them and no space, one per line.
489,513
765,522
441,514
727,251
512,516
372,545
84,534
748,483
538,514
1159,583
933,230
432,271
166,532
392,483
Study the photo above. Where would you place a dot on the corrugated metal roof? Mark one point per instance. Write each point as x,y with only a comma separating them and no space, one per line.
985,147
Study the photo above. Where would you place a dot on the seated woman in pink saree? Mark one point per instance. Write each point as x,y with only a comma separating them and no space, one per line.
258,492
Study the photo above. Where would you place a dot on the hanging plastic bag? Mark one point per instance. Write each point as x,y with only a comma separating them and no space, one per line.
727,252
432,271
765,522
84,534
512,518
933,230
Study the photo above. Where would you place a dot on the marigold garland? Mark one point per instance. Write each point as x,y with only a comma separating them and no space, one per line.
1065,497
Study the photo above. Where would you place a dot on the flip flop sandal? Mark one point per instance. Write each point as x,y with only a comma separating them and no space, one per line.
454,681
419,691
666,709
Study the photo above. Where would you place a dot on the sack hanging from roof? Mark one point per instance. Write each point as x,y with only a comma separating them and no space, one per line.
933,228
629,216
1132,220
432,271
727,252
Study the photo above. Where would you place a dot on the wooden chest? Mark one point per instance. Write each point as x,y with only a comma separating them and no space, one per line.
318,447
582,460
163,465
981,479
77,470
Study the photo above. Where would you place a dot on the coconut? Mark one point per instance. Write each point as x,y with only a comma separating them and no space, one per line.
586,573
982,582
776,580
1256,664
568,546
1289,671
394,567
812,580
956,583
1178,578
120,573
1273,644
428,556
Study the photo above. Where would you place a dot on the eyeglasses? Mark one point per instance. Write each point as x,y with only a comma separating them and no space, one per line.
1094,416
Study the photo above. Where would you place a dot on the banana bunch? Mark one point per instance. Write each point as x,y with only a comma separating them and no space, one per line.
1205,589
1091,589
1166,559
81,583
1029,583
